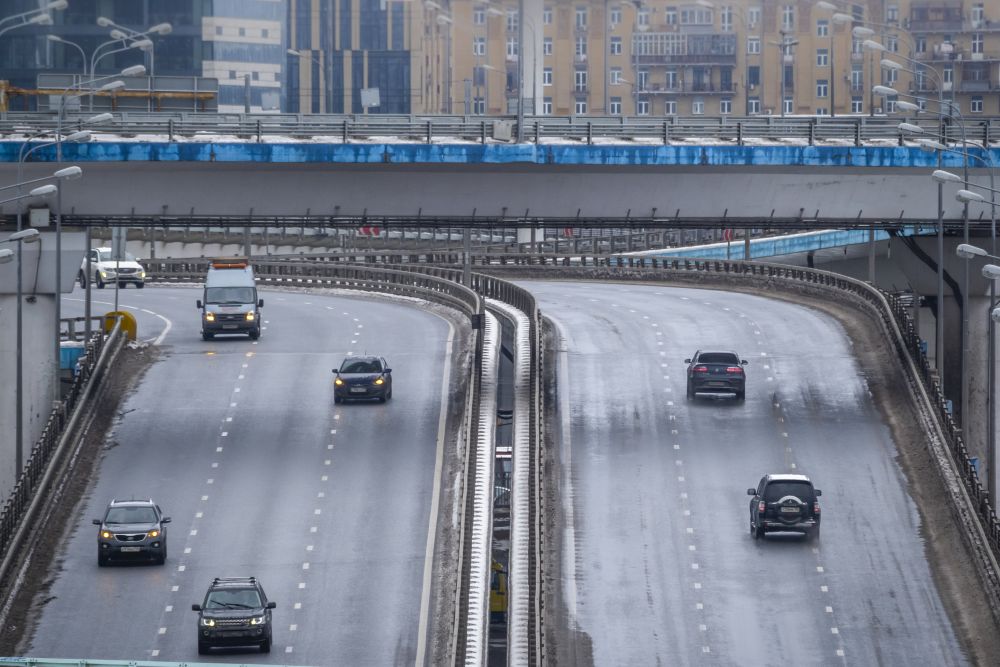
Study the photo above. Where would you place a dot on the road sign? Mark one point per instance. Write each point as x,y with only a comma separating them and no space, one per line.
727,235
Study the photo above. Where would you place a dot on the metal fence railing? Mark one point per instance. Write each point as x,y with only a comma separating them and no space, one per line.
100,350
421,128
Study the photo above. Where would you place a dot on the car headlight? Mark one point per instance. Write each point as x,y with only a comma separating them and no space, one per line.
209,317
338,382
380,381
250,316
106,534
104,274
153,533
142,274
208,622
257,620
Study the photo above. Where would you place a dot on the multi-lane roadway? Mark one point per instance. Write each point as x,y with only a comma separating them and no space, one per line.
239,441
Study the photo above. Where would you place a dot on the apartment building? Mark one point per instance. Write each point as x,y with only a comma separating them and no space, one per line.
663,57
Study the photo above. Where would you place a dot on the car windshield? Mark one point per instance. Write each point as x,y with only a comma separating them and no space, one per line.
131,515
229,295
718,358
107,256
361,366
247,598
778,490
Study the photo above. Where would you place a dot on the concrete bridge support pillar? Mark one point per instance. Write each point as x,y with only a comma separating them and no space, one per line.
977,377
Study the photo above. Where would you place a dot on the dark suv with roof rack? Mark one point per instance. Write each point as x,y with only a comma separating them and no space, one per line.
132,530
235,612
784,503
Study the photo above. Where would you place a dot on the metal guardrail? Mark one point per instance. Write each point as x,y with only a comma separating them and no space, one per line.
419,128
34,477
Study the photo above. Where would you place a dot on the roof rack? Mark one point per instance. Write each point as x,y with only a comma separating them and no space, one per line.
234,580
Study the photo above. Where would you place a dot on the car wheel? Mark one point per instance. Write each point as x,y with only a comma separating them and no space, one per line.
102,560
338,399
814,534
690,391
122,284
83,280
207,336
163,556
389,395
202,648
265,646
254,334
757,531
100,283
741,395
140,285
382,398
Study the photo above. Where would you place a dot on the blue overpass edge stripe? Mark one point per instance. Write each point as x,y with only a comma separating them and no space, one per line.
778,245
458,153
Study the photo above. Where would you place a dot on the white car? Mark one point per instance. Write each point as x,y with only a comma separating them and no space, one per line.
105,270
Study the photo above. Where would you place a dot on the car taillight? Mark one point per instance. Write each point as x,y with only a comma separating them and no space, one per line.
816,507
762,507
701,369
734,369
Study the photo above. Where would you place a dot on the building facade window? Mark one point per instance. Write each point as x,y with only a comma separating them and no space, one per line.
822,88
822,111
479,16
479,46
479,106
920,45
670,107
788,17
753,106
892,43
581,47
616,46
580,107
616,16
857,104
753,76
725,106
726,19
977,42
890,105
695,16
643,79
822,28
788,104
512,48
642,109
581,18
547,76
698,106
671,79
616,106
977,15
547,46
580,80
753,45
753,16
891,13
857,77
643,17
948,73
822,58
547,15
671,16
547,106
615,77
511,20
976,105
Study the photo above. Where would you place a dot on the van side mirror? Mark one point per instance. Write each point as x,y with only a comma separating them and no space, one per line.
751,492
260,303
196,607
687,361
818,492
272,605
165,519
96,522
388,370
199,303
744,362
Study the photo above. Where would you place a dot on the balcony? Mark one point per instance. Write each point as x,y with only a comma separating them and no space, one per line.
687,59
975,86
935,16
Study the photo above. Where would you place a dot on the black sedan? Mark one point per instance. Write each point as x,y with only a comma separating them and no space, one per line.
716,373
362,377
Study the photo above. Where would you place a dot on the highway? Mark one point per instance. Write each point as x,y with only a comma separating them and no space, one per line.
241,444
657,565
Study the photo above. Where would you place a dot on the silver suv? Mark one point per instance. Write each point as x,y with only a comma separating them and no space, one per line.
132,530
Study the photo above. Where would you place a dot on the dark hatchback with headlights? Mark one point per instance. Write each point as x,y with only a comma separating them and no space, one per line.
132,530
235,612
362,377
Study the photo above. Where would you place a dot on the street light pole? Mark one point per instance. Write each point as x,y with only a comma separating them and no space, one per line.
520,71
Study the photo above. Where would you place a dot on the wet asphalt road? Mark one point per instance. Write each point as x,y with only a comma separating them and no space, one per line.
659,567
241,444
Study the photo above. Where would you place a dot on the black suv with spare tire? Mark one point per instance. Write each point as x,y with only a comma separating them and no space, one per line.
784,503
235,613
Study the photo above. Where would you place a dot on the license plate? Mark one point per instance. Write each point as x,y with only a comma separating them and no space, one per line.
228,326
790,510
358,390
132,550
